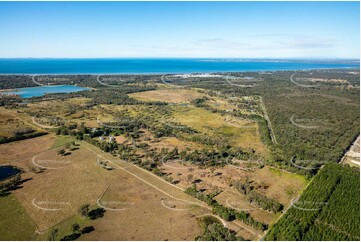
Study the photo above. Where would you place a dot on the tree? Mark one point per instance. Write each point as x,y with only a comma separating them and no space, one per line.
87,229
96,213
75,227
84,210
61,152
53,234
11,182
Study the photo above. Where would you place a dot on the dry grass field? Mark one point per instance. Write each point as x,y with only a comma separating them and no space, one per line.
208,179
10,124
15,153
171,95
219,104
57,193
52,198
323,80
144,218
240,133
170,143
282,185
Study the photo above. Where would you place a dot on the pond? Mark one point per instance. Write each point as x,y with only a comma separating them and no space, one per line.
7,171
29,92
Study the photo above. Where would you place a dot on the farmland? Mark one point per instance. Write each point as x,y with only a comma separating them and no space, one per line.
80,171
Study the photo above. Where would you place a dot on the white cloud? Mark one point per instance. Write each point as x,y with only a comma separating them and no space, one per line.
310,42
248,46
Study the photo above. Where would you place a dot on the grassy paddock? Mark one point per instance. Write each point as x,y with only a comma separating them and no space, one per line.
15,223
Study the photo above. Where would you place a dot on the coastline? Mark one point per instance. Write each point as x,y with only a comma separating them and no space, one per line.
174,73
159,66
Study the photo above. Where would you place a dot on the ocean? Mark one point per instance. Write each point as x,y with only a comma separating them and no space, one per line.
163,65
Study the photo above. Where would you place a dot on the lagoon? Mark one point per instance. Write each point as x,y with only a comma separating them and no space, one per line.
29,92
7,171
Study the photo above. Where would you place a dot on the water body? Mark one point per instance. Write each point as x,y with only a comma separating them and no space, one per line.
162,66
7,171
29,92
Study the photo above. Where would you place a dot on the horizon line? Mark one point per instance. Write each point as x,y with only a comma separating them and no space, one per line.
235,58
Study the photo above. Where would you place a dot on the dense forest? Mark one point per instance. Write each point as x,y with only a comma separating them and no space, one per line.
329,209
213,230
19,81
313,125
216,232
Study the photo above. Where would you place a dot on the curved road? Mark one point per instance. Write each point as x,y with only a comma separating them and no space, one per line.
301,85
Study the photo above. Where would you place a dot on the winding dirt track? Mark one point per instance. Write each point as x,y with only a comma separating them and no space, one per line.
159,184
148,178
37,83
301,85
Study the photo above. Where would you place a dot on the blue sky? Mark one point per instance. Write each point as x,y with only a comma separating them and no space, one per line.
180,29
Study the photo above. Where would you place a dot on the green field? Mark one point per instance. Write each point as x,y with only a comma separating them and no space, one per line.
15,223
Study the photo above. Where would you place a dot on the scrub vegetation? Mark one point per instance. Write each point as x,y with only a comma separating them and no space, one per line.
242,149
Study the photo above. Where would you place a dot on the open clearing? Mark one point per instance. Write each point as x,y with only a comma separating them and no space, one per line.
352,157
168,95
48,200
240,133
282,185
15,153
273,183
15,223
10,125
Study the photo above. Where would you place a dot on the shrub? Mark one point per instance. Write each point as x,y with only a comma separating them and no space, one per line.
96,213
87,229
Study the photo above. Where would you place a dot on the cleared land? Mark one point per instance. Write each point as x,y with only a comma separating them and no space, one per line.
281,185
48,200
240,133
11,125
15,223
352,157
168,95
